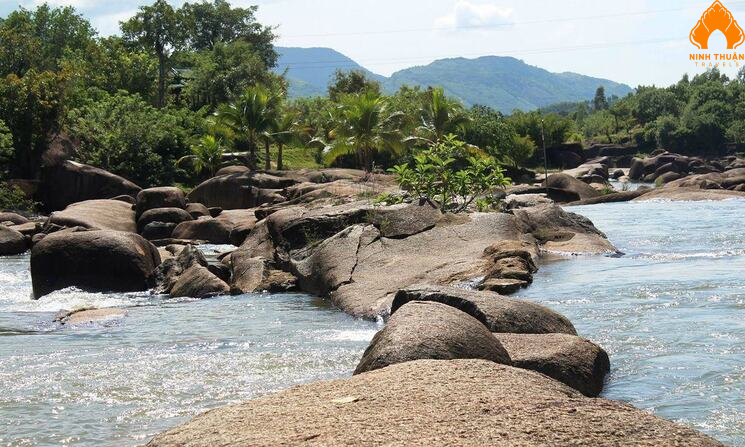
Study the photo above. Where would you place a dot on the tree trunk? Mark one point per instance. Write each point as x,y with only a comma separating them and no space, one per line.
267,160
161,79
279,157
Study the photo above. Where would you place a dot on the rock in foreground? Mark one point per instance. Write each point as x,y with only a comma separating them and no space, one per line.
94,261
433,402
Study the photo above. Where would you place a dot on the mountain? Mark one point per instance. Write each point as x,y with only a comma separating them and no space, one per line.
309,70
504,83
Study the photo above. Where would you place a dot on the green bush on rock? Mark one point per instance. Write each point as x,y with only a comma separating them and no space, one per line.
448,175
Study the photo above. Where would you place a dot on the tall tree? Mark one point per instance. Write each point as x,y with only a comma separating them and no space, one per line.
251,117
600,102
285,133
441,116
366,127
156,28
351,82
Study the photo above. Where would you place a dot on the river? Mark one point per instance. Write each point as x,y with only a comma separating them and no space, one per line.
670,312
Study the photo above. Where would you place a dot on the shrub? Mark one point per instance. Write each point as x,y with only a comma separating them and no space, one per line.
13,198
435,178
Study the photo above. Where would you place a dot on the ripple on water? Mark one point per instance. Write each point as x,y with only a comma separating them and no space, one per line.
670,312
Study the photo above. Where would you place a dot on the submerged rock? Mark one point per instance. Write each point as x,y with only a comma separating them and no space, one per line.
433,402
496,312
430,330
94,261
85,316
571,360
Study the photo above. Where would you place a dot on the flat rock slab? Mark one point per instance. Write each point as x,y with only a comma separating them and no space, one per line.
498,313
85,316
433,403
572,360
101,214
690,194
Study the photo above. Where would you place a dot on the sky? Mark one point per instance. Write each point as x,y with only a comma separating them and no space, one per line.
637,42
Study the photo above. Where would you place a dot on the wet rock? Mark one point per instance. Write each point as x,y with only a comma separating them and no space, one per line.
497,313
503,286
70,182
97,215
430,330
89,315
160,197
455,402
571,360
198,282
214,231
95,261
623,196
163,215
250,274
12,242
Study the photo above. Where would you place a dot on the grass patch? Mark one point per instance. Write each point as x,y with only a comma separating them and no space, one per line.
295,158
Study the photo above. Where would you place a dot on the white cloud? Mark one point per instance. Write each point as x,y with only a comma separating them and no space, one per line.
466,14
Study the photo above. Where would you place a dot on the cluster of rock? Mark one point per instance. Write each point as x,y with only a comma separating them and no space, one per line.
678,170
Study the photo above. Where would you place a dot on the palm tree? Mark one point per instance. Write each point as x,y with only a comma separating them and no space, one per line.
441,116
366,126
207,154
285,133
252,115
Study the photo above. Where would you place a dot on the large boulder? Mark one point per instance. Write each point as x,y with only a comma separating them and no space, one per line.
430,330
571,360
160,197
12,242
95,261
164,215
198,282
97,215
576,189
214,231
433,403
15,218
243,190
498,313
70,182
250,274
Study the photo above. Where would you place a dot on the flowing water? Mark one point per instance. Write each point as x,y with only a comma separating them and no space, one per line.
671,313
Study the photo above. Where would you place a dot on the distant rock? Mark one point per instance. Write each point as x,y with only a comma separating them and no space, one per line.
160,197
690,194
15,218
240,191
214,231
12,242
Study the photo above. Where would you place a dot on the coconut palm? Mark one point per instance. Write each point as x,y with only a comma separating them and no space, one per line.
366,127
252,117
207,154
285,133
441,116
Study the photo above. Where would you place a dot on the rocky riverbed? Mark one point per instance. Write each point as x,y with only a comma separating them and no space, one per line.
439,280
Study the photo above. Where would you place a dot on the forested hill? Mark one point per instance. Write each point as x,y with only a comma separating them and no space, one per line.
503,83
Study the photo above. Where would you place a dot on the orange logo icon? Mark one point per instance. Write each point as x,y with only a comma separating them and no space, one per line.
717,17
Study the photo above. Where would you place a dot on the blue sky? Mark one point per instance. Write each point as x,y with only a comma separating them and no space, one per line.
634,41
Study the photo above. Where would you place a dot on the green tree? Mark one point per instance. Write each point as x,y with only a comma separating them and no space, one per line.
156,28
251,117
284,134
6,149
127,136
207,155
488,130
518,150
365,128
600,123
350,83
208,24
600,102
440,116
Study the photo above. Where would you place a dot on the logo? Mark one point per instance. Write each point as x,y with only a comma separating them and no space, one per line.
717,17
